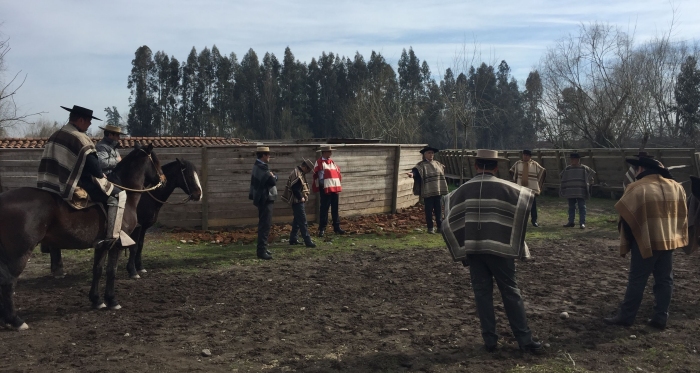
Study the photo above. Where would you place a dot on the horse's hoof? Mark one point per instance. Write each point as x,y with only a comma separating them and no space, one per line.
135,276
99,306
114,308
24,326
142,271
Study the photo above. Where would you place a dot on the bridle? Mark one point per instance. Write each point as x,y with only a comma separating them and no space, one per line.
187,187
147,190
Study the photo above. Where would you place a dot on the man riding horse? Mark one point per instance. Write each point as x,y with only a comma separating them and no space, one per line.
69,165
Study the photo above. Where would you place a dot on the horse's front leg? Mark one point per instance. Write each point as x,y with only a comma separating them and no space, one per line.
139,250
133,252
98,261
111,275
56,263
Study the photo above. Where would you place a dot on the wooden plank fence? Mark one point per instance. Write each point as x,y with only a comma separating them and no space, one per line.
609,164
374,180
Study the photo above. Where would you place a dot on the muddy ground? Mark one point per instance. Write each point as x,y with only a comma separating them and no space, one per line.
364,310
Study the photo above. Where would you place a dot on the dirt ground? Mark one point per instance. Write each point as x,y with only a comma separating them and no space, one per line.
364,310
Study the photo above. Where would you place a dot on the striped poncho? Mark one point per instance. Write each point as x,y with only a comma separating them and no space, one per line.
529,174
63,161
487,215
576,182
331,176
655,210
431,180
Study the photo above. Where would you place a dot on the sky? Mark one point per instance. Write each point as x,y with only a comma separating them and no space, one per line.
79,52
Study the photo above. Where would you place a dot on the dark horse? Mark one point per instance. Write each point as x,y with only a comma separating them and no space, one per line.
29,216
179,174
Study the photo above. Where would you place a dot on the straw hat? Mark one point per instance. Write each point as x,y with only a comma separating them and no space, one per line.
111,128
326,148
262,149
488,155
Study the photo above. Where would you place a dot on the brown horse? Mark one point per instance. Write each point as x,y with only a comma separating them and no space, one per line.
29,216
179,174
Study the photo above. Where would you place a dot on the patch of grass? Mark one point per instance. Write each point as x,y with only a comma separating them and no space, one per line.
601,219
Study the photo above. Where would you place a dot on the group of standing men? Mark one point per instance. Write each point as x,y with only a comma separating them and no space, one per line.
486,220
263,192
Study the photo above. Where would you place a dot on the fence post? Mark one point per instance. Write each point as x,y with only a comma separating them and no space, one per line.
397,174
205,189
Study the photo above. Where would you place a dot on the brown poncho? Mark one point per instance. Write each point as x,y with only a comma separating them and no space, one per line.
655,209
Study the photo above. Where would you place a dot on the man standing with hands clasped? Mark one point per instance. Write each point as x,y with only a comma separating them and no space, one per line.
263,192
576,180
430,184
327,178
529,174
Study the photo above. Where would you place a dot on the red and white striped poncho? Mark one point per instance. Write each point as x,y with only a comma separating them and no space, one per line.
331,176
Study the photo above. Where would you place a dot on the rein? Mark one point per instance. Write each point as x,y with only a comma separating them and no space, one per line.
147,190
185,200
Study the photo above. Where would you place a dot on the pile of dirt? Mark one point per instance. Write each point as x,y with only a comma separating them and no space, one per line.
401,223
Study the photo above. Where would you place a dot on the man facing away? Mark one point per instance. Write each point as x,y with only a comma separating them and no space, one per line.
430,184
263,192
529,174
327,178
296,193
107,148
653,223
576,180
485,225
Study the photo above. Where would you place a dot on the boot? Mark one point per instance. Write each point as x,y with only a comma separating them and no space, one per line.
308,242
321,232
264,254
294,241
337,229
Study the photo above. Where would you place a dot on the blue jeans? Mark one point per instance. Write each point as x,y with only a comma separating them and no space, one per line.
484,268
581,210
661,265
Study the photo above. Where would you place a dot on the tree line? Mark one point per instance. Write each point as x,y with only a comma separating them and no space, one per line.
212,94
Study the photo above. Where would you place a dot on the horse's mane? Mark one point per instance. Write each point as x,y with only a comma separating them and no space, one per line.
127,161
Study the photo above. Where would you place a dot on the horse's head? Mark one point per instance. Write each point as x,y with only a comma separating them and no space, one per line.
188,180
141,163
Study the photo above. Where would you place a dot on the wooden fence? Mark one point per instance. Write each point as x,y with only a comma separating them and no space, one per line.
609,164
374,180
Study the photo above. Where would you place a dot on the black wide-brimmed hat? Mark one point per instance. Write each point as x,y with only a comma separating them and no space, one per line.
650,164
643,154
81,111
575,155
428,147
527,152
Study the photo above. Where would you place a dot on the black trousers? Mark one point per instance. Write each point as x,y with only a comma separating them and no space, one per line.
329,200
433,205
484,268
299,223
533,212
264,224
